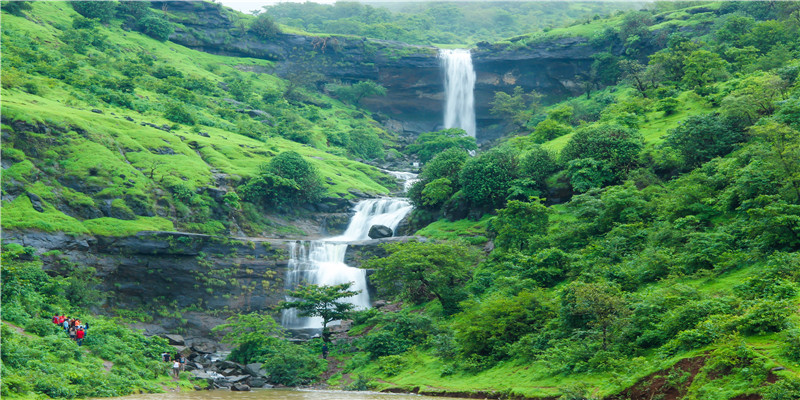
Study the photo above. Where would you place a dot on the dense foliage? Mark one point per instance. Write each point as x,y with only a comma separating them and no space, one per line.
442,23
43,360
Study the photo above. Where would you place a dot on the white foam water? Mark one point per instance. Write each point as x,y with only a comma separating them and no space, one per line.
459,84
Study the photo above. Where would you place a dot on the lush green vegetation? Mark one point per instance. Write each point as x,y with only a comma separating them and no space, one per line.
679,240
645,234
41,360
104,124
440,23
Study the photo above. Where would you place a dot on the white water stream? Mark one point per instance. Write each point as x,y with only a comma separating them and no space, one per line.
459,85
321,262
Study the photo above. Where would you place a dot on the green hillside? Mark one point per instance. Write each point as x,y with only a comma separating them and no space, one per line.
96,116
639,241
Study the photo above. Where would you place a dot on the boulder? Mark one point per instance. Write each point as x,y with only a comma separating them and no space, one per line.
175,340
36,202
380,232
254,369
240,387
257,382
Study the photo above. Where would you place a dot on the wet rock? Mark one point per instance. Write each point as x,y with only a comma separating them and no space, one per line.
380,232
203,134
238,378
97,111
240,387
257,382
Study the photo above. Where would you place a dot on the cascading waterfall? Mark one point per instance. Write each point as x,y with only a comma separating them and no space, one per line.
321,262
459,84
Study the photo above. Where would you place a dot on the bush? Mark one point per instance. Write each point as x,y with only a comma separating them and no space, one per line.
292,365
102,10
383,343
700,138
264,27
176,112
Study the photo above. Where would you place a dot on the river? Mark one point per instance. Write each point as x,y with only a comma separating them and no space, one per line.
277,394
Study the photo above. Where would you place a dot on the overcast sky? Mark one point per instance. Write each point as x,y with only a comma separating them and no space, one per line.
249,5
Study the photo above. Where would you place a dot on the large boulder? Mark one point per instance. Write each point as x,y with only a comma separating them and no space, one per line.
175,340
380,232
240,387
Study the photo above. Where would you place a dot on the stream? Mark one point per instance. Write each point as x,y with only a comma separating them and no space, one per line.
277,394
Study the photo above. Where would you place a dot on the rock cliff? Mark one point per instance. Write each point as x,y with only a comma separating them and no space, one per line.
411,74
198,275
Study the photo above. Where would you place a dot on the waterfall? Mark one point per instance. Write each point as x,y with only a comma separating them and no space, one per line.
321,262
459,84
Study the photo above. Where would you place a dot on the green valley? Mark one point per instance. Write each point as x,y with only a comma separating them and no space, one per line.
193,180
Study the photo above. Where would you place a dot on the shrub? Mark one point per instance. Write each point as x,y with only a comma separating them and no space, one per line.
102,10
264,27
176,112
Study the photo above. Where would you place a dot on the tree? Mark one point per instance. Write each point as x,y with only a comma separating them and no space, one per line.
264,27
322,301
429,144
417,272
521,225
755,96
249,328
354,93
485,179
784,151
518,107
614,145
155,26
700,138
703,67
593,305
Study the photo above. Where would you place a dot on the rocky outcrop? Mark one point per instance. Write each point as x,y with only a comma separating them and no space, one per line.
179,270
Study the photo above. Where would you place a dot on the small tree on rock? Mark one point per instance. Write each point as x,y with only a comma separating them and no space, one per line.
322,301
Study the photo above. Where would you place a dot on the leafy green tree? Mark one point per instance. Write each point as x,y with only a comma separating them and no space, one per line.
784,151
444,167
521,225
176,112
702,68
102,10
291,165
429,144
365,143
537,165
518,106
488,327
322,301
354,93
155,26
754,97
550,129
437,192
241,329
587,173
594,306
617,147
418,271
485,179
700,138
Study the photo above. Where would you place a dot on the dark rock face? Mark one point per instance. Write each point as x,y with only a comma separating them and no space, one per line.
411,74
187,269
380,232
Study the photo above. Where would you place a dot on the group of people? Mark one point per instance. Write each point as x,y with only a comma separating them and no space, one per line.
73,327
178,362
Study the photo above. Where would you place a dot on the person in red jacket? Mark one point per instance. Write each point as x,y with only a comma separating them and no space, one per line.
79,335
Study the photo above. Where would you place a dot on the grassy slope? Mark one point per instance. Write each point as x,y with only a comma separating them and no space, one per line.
123,147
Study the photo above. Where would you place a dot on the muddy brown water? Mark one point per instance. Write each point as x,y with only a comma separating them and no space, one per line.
278,394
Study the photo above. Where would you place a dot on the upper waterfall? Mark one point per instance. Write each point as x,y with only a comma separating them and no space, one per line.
459,84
